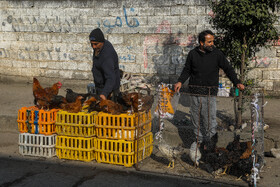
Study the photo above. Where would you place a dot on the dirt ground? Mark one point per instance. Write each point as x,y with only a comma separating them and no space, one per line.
15,96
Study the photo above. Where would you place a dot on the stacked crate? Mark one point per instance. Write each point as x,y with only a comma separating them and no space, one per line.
37,131
75,136
123,139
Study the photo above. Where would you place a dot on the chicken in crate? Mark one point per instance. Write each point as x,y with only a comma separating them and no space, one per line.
36,121
127,118
123,126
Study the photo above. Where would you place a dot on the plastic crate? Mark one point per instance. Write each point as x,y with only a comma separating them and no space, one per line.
123,126
35,121
123,152
75,124
75,148
125,85
37,145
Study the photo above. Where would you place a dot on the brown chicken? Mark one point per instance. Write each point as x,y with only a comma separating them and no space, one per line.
247,153
136,101
54,89
111,107
73,107
43,97
145,103
90,100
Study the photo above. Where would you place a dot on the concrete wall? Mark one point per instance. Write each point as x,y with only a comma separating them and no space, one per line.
49,39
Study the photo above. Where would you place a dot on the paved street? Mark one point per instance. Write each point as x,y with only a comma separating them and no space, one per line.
21,172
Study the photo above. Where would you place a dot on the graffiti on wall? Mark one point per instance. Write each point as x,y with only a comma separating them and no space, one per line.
68,24
119,23
172,47
262,62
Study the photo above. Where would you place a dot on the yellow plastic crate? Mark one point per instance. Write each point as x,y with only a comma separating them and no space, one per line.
75,124
123,152
123,126
75,148
35,121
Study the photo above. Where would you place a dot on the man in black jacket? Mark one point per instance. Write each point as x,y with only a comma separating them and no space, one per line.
105,69
202,67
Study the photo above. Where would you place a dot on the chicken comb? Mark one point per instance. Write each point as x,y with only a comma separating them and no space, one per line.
60,84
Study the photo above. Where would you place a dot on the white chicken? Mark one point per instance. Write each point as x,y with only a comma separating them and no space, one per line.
170,152
195,154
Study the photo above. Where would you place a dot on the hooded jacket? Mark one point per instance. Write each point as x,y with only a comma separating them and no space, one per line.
203,71
105,69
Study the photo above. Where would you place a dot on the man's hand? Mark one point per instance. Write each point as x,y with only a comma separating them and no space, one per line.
102,97
240,86
177,86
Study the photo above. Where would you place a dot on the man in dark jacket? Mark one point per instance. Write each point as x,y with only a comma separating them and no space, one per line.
202,67
105,69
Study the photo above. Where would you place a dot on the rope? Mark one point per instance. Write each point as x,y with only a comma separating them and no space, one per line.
255,170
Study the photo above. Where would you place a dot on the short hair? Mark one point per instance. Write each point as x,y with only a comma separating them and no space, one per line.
201,36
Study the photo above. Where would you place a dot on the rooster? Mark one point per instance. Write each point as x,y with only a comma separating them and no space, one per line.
44,96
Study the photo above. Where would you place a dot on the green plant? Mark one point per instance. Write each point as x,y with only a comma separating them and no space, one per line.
243,28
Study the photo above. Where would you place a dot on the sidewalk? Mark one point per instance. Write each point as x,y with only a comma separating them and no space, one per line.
15,96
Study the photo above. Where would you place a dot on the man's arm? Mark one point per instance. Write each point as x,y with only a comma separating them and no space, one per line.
184,75
109,75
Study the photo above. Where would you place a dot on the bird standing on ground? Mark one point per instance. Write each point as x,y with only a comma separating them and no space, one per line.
195,154
170,152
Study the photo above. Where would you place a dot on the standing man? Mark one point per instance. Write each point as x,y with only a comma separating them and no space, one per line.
202,67
105,69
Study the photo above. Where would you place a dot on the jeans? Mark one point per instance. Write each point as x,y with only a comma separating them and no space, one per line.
203,116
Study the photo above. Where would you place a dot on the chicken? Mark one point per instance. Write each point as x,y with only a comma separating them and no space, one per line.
71,96
170,152
54,89
236,156
56,101
242,168
145,103
235,145
93,105
89,101
137,101
111,107
129,100
43,97
73,107
195,154
247,153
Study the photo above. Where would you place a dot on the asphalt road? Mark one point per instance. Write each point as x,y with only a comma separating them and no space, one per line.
22,172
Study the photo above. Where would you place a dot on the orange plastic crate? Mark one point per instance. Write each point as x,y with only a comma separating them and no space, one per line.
35,121
123,126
